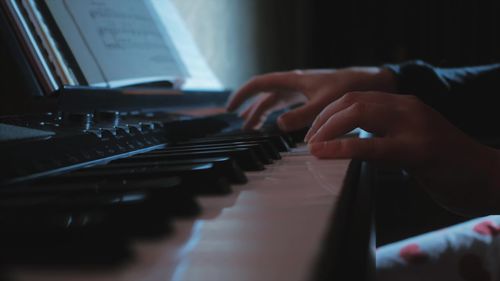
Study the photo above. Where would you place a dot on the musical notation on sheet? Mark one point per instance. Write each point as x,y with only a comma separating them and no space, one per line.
125,41
125,28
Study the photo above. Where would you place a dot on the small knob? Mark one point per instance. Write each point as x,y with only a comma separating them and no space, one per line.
84,119
109,116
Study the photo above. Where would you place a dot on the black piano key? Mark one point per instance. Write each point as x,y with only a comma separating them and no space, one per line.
245,157
200,178
268,146
158,207
160,204
280,142
276,139
194,128
299,135
285,137
119,213
54,185
65,201
289,140
228,166
257,148
68,191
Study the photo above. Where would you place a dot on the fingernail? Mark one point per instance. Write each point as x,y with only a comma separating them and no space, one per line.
313,138
316,148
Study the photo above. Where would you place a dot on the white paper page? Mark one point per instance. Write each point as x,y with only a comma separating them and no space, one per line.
125,40
200,75
78,47
92,31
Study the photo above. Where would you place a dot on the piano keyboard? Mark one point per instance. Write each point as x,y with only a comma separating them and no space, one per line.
168,199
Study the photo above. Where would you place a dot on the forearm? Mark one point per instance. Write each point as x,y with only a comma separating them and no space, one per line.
372,79
433,83
466,96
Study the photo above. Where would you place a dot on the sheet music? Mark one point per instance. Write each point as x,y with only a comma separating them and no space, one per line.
200,74
123,41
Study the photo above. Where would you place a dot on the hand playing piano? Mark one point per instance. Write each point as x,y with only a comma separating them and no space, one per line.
317,88
458,172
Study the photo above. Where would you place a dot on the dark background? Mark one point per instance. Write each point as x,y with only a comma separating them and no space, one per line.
446,33
323,34
361,32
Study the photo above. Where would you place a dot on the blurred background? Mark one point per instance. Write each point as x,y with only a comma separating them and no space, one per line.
241,38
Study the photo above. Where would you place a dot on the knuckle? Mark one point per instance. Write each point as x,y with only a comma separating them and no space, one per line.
255,79
325,110
357,108
265,76
323,115
351,96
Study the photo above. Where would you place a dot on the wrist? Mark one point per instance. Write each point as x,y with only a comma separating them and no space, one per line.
386,80
375,79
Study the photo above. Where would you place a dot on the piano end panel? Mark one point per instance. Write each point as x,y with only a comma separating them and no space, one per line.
348,252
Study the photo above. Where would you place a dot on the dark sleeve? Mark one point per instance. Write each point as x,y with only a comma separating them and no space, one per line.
467,96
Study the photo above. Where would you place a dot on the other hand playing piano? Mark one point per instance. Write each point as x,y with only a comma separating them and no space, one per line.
317,88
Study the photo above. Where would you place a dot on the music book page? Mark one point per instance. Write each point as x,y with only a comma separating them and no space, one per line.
127,42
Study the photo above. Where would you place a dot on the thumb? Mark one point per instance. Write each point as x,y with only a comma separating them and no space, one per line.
298,118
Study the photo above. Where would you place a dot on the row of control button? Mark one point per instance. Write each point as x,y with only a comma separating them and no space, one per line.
141,127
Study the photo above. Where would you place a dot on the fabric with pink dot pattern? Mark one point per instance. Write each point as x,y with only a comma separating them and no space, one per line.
469,251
